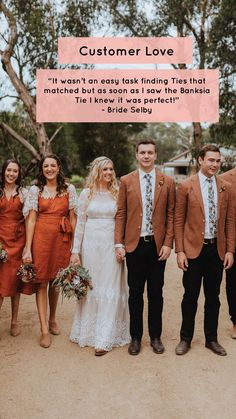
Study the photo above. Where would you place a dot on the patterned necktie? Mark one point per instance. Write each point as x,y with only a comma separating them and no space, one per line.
212,208
148,203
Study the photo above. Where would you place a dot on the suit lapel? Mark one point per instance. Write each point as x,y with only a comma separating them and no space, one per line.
197,191
158,186
220,188
136,185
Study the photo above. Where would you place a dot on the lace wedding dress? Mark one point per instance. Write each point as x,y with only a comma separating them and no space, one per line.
101,319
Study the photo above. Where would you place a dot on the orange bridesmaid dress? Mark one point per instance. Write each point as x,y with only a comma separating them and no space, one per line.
12,236
51,247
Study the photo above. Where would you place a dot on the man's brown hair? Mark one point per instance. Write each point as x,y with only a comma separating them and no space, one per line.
206,148
146,141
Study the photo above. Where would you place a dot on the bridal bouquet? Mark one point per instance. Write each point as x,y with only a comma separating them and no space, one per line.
27,272
74,281
3,253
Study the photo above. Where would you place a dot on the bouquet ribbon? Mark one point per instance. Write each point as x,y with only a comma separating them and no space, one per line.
65,228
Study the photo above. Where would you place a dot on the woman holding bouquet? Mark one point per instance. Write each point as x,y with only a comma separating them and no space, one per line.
51,217
101,319
12,236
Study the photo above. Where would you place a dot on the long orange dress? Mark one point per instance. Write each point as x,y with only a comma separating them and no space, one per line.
51,247
12,236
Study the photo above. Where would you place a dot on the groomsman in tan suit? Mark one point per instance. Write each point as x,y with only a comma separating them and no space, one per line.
205,242
144,232
230,177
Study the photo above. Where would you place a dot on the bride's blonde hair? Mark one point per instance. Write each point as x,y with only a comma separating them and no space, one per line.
95,174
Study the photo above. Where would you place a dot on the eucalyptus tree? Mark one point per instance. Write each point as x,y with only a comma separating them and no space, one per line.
211,23
28,40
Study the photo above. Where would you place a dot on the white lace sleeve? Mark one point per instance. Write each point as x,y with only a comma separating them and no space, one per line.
31,202
73,198
23,194
81,220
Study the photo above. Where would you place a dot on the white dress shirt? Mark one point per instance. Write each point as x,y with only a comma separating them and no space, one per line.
143,181
204,190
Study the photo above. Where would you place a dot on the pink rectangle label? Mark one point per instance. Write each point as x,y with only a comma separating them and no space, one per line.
127,96
73,50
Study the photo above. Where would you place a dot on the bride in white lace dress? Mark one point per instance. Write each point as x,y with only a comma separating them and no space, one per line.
101,319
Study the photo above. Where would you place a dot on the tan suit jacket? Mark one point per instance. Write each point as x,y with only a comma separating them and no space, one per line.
230,177
190,218
129,214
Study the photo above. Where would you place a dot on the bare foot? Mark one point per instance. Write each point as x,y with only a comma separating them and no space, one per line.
15,330
45,340
54,328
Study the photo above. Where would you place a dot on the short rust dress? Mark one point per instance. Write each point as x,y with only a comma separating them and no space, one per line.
51,247
12,236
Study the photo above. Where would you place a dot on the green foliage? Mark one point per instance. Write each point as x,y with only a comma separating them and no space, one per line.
9,148
77,180
78,16
224,132
228,163
111,140
211,23
223,36
134,18
40,23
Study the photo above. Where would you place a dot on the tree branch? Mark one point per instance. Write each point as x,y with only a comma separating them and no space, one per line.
225,75
55,133
12,24
52,32
6,128
11,96
7,66
18,84
191,28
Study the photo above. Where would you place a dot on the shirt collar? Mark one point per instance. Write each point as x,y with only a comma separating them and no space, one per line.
203,178
142,173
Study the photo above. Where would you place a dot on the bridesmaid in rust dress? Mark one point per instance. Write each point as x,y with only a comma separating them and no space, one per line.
50,209
12,235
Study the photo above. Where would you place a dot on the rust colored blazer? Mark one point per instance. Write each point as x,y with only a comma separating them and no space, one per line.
129,213
230,177
190,218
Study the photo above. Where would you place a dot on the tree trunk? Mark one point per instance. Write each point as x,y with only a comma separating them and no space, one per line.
197,134
29,103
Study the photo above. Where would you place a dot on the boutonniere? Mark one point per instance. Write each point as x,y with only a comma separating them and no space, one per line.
222,189
160,183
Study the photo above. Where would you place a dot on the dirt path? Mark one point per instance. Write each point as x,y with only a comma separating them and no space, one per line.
65,381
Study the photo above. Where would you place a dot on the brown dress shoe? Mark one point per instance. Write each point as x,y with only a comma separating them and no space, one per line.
15,330
134,347
45,340
157,346
215,347
182,348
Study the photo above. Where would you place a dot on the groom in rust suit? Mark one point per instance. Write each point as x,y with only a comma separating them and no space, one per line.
144,233
204,243
230,177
